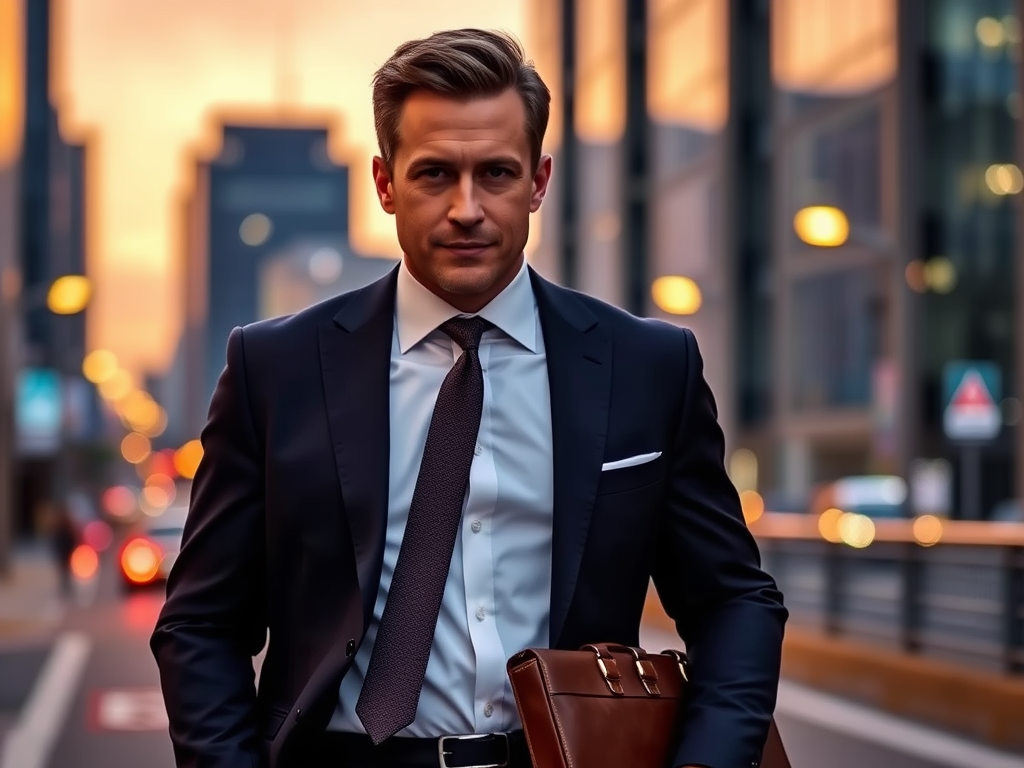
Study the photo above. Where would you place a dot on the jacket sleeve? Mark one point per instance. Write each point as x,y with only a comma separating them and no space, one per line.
214,619
709,578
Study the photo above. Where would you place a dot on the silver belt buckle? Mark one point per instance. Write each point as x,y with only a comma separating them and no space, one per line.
443,763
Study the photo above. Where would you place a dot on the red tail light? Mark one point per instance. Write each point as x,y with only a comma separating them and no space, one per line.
140,560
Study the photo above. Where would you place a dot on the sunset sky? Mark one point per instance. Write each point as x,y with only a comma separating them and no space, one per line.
141,79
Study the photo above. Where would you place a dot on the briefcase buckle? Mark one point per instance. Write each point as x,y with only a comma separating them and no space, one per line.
441,753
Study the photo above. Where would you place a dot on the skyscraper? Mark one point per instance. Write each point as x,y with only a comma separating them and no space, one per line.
267,188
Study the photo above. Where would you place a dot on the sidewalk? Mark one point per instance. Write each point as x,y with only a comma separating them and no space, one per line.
30,600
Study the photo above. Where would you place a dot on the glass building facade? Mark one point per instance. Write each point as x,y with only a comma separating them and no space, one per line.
894,125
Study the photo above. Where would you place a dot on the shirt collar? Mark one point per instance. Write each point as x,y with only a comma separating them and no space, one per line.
418,311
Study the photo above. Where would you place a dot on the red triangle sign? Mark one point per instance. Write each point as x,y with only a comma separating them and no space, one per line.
972,393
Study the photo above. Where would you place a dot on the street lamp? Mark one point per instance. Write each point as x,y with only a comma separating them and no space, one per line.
69,295
676,295
822,225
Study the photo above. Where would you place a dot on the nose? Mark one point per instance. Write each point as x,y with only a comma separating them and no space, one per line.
465,208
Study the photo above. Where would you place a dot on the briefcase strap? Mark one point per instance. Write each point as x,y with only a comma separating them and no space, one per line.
609,667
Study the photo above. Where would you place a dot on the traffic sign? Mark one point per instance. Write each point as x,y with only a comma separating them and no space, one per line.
38,411
972,395
129,709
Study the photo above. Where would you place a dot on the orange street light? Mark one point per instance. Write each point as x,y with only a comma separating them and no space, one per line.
822,225
676,295
69,295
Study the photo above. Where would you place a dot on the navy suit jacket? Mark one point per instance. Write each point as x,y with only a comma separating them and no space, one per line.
288,511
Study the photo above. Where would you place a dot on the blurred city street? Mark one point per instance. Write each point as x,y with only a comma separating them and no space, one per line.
80,689
84,691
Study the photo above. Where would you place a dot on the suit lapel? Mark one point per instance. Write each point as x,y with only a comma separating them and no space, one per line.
355,354
579,355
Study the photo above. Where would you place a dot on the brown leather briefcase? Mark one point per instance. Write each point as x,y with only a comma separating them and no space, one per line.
607,706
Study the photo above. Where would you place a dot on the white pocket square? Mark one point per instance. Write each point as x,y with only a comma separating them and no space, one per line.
632,461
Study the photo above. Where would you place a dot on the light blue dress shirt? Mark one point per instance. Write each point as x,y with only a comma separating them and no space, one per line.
498,593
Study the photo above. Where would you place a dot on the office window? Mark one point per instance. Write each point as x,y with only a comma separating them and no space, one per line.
278,194
831,66
823,52
838,162
687,92
836,332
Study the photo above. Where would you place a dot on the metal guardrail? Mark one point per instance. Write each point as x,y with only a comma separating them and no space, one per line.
947,590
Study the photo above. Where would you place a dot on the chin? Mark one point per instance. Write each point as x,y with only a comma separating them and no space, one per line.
468,279
466,285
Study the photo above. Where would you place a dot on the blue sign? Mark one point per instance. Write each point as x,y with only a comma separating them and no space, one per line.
972,391
38,411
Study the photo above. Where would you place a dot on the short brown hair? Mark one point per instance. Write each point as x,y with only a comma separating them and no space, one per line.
463,64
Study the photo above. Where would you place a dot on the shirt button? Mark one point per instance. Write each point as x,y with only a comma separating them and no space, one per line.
476,526
478,450
481,614
488,710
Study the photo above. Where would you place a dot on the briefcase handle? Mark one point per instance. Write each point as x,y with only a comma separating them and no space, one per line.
645,669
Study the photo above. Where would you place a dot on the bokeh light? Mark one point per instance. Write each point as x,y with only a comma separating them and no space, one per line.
1004,179
135,448
857,531
119,501
676,295
752,505
828,525
69,294
156,498
117,387
187,459
98,535
84,562
255,229
927,530
140,561
821,225
99,366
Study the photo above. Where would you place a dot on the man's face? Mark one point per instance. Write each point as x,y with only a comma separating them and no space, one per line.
462,191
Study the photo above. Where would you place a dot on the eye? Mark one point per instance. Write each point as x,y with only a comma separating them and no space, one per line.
431,173
499,172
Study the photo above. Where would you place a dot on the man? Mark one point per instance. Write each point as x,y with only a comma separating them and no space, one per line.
411,482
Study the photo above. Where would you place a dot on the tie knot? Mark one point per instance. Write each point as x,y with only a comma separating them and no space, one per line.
466,331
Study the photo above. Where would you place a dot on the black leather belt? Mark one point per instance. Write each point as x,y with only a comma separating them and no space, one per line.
489,750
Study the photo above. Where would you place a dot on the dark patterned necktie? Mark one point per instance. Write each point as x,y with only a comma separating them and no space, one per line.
391,691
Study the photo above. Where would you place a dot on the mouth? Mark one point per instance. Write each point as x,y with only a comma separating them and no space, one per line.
466,248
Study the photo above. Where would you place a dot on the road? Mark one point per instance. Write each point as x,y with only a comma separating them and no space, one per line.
88,698
95,698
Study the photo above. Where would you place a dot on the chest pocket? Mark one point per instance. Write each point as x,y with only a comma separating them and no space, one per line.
631,478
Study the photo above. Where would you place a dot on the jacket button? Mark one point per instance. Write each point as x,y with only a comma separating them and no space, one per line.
298,713
350,648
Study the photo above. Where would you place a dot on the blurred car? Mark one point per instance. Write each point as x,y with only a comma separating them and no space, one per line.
148,553
878,496
781,502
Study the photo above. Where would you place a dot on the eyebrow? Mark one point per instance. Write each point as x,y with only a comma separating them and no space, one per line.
433,162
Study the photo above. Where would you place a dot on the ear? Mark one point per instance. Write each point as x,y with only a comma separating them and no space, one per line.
382,181
541,177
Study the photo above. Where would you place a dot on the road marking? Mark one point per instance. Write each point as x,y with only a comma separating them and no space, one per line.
863,723
867,724
30,742
129,709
